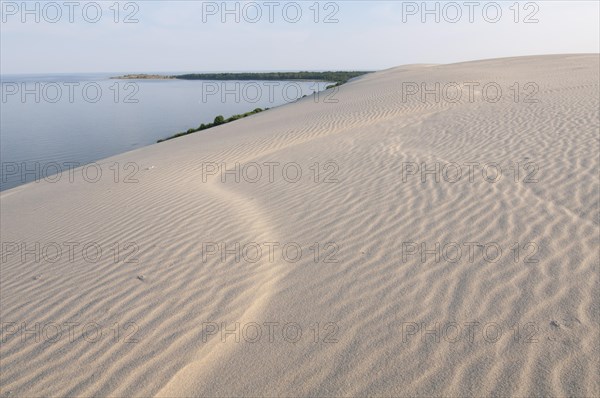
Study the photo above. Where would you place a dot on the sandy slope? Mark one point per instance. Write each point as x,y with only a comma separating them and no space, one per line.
376,302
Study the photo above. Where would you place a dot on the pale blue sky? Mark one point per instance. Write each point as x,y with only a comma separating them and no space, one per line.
370,35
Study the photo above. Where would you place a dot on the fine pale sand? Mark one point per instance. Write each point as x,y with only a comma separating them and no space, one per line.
376,320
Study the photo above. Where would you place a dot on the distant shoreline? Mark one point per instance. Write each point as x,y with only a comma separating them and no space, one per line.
143,76
340,77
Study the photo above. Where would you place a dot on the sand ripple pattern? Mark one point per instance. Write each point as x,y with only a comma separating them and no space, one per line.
371,293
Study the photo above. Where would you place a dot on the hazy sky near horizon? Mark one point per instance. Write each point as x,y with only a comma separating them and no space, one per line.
184,36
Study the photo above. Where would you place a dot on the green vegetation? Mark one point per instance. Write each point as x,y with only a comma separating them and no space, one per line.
219,120
142,76
339,77
334,85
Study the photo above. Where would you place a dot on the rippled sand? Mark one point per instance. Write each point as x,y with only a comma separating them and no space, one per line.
381,310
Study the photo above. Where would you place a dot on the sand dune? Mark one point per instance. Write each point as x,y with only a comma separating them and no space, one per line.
376,319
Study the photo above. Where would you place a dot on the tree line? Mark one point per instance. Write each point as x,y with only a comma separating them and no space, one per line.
219,120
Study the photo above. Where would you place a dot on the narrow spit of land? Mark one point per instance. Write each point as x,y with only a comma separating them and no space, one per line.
340,77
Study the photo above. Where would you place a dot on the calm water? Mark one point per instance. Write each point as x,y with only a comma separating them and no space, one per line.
61,119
